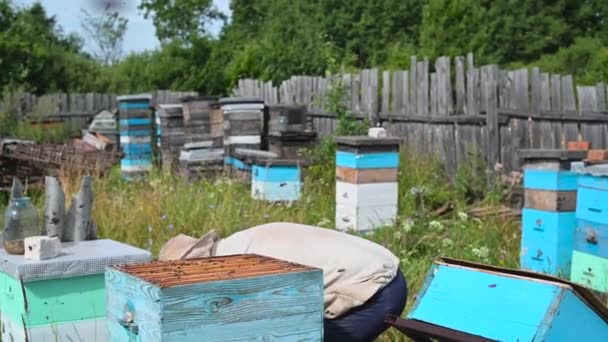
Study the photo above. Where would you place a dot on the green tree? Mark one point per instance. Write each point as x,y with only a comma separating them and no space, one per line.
107,32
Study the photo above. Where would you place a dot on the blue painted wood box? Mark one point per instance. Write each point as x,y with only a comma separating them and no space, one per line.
590,255
276,180
367,188
548,218
508,305
231,298
135,135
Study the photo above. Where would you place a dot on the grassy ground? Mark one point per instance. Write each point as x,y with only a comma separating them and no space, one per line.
147,214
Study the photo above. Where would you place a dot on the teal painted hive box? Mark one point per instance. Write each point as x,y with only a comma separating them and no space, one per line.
590,255
507,305
276,180
60,299
548,217
231,298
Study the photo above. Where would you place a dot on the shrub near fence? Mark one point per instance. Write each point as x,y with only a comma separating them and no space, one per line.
456,109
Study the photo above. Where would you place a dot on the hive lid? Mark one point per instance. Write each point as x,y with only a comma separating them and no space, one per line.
255,154
235,100
364,140
530,154
198,98
76,259
593,170
183,272
583,293
134,97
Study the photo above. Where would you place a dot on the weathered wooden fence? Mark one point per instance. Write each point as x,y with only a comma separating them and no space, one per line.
74,111
457,107
63,104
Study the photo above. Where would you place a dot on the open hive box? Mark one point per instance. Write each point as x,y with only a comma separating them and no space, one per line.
231,298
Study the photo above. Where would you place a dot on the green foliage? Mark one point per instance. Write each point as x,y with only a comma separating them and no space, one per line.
336,102
586,59
180,18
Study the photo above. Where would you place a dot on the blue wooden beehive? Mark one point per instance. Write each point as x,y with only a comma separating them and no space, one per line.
276,180
508,305
231,298
135,135
548,217
367,188
590,255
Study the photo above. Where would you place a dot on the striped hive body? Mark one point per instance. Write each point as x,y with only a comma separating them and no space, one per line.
548,219
243,123
170,133
60,299
508,305
233,298
276,180
135,135
366,182
590,256
203,153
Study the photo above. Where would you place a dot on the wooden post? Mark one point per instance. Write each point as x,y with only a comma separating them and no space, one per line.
489,83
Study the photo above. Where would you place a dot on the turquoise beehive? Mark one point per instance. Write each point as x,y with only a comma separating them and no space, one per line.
508,305
136,126
548,217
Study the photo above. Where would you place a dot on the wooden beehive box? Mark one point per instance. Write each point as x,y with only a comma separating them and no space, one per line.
548,217
135,135
232,298
366,182
60,299
276,180
590,255
508,305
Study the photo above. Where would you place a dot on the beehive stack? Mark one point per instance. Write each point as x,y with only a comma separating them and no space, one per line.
135,135
276,180
232,298
243,124
548,217
287,131
366,182
171,133
240,163
200,160
590,255
488,303
60,299
203,152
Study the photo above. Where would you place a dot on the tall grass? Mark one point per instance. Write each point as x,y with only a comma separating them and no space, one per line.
146,214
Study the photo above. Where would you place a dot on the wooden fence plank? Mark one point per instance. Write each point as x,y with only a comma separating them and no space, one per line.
396,93
556,93
460,87
545,92
405,93
522,89
386,92
473,92
434,95
444,86
413,86
490,86
600,93
536,90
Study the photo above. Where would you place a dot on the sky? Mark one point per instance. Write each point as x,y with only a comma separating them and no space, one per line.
140,34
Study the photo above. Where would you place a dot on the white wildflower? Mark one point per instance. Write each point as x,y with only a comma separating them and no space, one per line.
436,225
462,216
481,252
447,242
